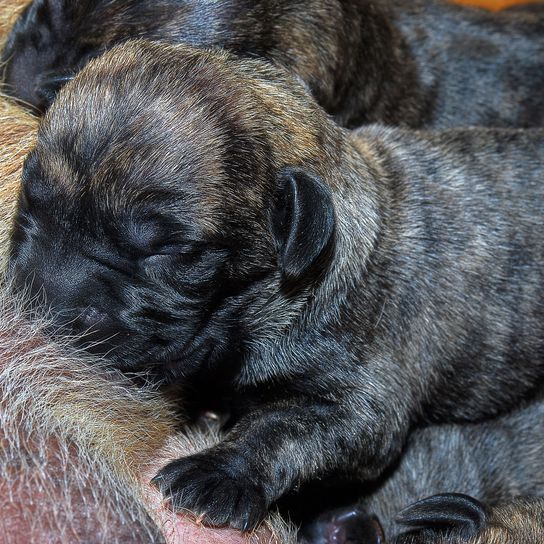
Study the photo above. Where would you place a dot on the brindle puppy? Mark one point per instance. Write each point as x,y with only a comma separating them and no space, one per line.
202,218
409,62
458,519
492,461
447,519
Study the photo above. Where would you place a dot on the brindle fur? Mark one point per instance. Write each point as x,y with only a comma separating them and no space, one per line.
409,62
204,219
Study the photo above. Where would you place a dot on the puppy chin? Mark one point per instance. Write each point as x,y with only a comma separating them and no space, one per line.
155,363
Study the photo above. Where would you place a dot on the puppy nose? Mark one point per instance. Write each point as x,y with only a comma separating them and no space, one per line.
92,318
95,331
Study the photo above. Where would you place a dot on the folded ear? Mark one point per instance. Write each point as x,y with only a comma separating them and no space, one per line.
46,15
50,84
35,44
303,221
447,512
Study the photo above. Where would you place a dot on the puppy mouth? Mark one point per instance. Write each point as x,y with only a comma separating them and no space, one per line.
167,355
167,364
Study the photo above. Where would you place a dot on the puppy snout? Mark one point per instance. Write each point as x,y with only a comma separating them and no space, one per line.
95,327
92,319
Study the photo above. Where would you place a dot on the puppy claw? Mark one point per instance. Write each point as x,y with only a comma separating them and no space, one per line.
213,490
156,481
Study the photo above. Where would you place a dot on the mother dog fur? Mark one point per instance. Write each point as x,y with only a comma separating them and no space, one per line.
203,220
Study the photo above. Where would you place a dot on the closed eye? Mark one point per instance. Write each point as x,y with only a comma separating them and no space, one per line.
170,254
122,267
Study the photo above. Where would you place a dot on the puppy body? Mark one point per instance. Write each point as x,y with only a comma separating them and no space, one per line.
208,223
512,522
78,445
439,459
492,461
409,62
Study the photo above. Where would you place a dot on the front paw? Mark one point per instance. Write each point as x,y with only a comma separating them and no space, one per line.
215,487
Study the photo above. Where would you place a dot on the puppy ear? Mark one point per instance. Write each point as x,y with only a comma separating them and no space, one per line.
48,13
32,49
50,84
303,221
446,512
45,17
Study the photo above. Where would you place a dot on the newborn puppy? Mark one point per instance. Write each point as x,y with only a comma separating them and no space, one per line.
409,62
492,461
458,519
200,218
79,443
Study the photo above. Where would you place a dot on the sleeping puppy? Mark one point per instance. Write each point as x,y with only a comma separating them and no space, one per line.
79,443
199,218
409,62
458,519
492,461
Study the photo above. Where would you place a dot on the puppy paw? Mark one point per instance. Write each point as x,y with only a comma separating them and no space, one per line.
214,487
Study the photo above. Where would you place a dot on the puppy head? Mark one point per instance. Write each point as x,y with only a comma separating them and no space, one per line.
35,59
172,194
53,39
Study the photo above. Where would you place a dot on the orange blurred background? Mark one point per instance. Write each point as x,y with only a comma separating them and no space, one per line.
496,4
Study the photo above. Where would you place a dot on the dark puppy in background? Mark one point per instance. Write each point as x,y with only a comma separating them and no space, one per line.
493,461
520,521
409,62
202,219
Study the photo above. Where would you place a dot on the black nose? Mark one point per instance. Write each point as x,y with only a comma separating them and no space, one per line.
91,318
95,327
96,332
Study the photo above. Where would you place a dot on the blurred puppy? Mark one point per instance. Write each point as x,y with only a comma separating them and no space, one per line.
409,62
492,461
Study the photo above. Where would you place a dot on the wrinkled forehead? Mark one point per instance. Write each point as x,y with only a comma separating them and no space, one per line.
129,112
129,140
